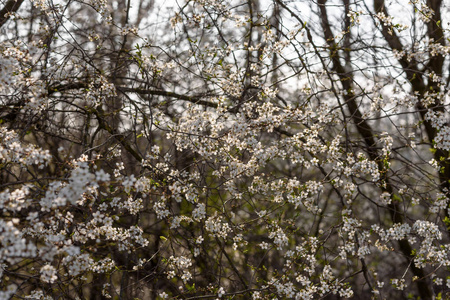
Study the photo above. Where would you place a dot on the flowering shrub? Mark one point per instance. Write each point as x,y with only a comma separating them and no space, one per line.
224,150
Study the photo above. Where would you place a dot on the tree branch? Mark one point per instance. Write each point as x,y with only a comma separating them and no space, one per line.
10,7
366,132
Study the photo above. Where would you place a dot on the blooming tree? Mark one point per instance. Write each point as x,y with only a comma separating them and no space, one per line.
224,149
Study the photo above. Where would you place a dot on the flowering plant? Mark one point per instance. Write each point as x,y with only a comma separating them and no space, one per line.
218,149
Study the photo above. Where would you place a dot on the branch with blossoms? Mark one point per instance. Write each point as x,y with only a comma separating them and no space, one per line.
211,150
